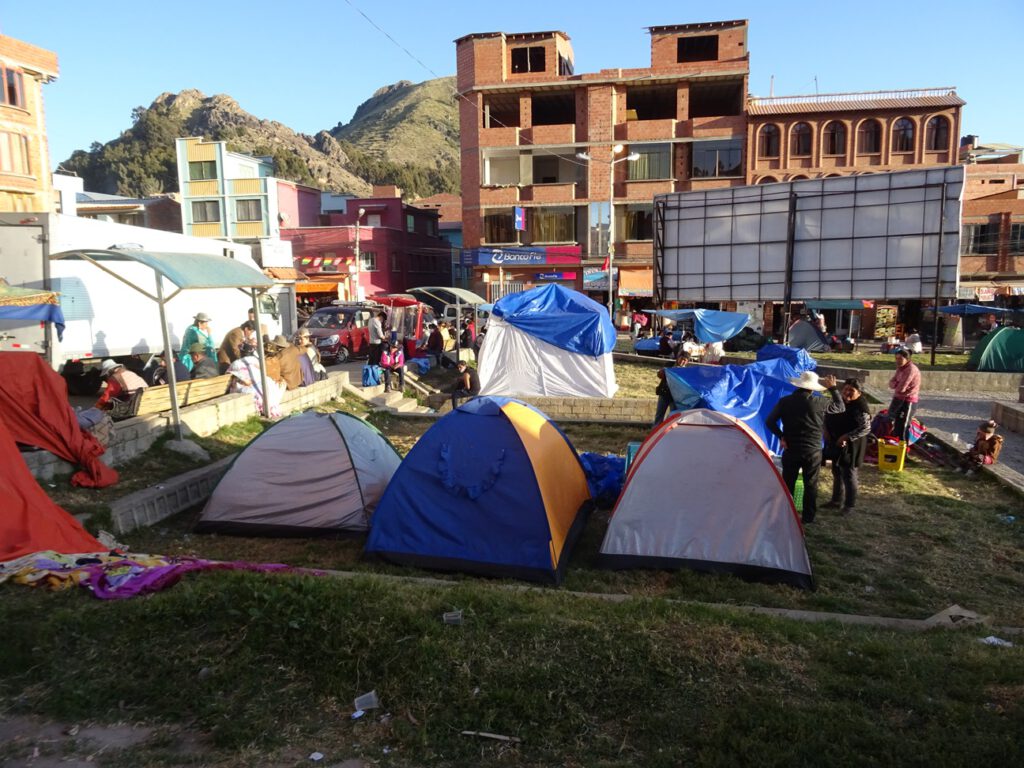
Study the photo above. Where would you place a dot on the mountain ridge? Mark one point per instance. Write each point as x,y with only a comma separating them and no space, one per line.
405,134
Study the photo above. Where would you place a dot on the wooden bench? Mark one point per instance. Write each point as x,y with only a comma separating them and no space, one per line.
158,399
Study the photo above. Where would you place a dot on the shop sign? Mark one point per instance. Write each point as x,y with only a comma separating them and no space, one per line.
986,294
555,276
965,292
526,257
596,279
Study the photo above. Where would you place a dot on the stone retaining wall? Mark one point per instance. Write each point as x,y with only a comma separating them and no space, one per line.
135,436
1009,416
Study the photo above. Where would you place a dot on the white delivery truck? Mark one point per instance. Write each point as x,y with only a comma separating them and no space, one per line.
105,317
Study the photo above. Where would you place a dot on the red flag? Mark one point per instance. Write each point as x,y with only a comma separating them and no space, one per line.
606,264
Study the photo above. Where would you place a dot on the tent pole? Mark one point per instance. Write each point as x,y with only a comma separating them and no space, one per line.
938,269
172,380
261,353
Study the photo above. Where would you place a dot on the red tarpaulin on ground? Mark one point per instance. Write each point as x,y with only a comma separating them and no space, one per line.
29,521
34,406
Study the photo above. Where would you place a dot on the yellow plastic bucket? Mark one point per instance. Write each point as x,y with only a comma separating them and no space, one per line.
891,457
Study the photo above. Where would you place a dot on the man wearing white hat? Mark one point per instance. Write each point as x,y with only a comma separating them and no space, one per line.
803,416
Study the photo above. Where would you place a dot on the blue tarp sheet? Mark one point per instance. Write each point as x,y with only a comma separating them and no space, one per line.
972,309
605,475
745,392
48,313
564,318
709,325
799,358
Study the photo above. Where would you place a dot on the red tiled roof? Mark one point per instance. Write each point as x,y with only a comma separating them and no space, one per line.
849,102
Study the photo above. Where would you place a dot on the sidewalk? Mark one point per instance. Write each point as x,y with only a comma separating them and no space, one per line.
960,413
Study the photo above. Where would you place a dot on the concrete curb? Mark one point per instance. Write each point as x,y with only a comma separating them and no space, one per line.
151,505
938,621
1010,478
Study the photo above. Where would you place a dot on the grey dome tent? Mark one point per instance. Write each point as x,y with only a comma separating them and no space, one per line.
803,335
728,512
312,474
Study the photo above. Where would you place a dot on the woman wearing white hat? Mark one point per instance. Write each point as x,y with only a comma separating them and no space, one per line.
803,416
197,333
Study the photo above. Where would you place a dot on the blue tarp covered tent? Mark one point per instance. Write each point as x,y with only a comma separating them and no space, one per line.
562,317
798,358
494,487
709,325
548,342
745,392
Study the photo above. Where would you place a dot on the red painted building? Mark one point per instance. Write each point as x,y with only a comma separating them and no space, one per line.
399,247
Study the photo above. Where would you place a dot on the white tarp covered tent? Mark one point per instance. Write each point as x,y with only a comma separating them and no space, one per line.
549,342
700,517
312,474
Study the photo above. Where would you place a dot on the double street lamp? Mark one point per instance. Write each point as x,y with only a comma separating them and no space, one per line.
616,150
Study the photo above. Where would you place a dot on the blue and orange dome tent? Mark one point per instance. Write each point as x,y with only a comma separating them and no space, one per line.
494,488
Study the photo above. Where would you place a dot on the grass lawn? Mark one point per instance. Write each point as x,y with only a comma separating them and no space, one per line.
261,670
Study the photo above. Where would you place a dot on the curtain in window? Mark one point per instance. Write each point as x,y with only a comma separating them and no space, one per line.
553,225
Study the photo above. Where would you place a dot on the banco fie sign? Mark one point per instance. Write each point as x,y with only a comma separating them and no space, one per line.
525,257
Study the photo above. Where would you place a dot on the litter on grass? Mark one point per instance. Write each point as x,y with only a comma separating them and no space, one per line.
357,714
996,641
367,701
452,617
316,757
495,736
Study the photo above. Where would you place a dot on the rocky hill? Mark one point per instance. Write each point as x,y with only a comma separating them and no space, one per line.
405,134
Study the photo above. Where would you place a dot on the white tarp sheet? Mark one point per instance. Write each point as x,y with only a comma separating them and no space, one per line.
515,363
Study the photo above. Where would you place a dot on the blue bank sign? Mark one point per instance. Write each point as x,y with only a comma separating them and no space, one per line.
524,257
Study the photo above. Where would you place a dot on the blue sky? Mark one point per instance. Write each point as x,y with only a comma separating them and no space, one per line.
310,63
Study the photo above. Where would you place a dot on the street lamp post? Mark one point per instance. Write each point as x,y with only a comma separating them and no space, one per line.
359,215
616,149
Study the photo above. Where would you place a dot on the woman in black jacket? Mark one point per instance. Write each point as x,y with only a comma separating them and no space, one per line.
846,436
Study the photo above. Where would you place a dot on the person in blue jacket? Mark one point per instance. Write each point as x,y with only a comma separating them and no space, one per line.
197,333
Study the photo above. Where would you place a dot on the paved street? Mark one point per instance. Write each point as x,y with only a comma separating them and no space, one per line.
961,412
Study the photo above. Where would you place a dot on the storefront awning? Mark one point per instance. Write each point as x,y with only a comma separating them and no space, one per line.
636,282
317,286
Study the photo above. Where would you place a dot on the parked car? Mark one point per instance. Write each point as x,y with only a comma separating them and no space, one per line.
342,331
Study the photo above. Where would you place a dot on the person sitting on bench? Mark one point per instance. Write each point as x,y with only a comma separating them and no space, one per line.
121,384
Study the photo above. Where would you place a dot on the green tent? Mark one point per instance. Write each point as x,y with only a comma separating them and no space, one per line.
1002,350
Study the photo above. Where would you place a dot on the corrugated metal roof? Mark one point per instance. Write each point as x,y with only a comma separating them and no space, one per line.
852,102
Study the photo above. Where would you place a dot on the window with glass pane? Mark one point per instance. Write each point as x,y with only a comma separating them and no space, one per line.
14,154
982,239
869,138
835,139
1017,238
205,211
769,141
249,210
14,90
655,162
410,223
938,134
634,222
395,265
903,135
717,158
368,261
801,140
553,225
500,226
202,170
